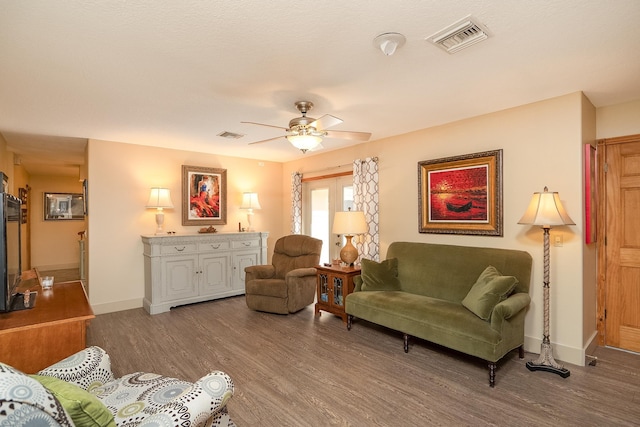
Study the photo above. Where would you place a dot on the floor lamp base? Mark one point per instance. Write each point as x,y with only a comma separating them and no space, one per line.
563,372
546,362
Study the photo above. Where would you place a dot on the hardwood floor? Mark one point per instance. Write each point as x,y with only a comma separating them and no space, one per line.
302,370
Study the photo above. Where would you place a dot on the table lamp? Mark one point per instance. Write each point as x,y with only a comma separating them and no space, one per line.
250,202
349,223
159,198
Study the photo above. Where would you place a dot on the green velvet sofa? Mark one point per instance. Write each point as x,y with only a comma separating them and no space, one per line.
429,290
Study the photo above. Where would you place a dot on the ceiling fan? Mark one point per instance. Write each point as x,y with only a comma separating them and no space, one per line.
306,133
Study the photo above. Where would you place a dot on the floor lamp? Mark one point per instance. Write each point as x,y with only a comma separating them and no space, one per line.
546,210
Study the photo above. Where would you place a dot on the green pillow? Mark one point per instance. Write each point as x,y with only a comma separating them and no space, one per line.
490,288
380,276
84,408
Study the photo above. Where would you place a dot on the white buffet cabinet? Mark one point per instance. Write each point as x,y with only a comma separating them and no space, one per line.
186,268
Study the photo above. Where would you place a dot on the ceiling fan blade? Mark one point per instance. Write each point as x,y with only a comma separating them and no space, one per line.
325,122
345,134
266,140
262,124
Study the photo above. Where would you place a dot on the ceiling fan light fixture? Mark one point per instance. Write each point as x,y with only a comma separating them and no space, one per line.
388,43
304,142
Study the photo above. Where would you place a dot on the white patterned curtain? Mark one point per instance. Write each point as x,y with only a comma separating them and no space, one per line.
365,199
296,203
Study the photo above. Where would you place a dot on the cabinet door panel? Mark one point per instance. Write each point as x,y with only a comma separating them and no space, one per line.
215,274
240,261
179,277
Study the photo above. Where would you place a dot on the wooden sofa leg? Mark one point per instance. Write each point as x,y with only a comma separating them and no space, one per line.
349,321
406,343
521,351
492,374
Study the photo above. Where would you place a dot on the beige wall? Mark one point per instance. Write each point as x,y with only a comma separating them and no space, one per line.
542,145
618,120
54,244
119,178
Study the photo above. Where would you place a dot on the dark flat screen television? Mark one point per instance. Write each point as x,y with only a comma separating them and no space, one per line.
10,258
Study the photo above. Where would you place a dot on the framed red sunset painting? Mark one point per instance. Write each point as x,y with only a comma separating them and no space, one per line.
461,194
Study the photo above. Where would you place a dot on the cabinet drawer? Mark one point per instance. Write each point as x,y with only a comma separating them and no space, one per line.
179,249
213,246
241,244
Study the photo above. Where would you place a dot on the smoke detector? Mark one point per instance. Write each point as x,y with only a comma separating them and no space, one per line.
459,35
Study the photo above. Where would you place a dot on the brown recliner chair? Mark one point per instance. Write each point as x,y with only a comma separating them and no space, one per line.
289,284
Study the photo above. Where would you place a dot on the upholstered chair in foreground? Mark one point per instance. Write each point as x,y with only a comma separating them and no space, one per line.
82,391
289,283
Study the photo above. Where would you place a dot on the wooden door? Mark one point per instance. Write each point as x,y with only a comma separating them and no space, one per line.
621,248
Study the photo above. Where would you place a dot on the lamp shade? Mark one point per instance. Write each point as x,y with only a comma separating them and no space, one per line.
304,142
250,201
545,209
349,223
159,198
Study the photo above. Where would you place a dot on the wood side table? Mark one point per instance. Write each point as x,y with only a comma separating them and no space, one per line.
55,328
334,283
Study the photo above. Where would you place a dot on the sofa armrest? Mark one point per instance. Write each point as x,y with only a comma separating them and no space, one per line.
508,308
87,368
254,272
207,398
357,283
301,272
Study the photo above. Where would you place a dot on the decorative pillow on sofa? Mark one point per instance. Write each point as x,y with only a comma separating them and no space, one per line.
490,288
84,408
380,276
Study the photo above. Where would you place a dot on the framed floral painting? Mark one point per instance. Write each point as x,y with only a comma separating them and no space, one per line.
204,196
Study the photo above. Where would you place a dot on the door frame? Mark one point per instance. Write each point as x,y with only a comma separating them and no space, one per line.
601,221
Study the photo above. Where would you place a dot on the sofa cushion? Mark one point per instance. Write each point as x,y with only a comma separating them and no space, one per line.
490,288
380,276
84,408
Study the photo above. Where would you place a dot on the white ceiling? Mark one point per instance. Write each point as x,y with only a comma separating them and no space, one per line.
175,73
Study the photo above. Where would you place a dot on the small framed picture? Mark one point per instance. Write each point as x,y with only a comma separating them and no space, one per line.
63,206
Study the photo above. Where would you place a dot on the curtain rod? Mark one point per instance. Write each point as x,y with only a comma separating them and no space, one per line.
375,159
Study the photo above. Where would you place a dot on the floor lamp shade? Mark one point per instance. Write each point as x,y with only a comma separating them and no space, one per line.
159,199
349,223
546,210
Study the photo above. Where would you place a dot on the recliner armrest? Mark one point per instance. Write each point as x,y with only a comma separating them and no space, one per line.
302,272
87,368
259,272
208,397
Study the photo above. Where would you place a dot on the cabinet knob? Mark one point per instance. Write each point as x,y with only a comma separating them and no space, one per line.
215,246
179,249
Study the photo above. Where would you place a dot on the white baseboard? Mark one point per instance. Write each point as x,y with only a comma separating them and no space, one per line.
561,353
112,307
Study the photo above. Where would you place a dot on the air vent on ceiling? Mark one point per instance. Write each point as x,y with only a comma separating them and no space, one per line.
230,135
459,35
